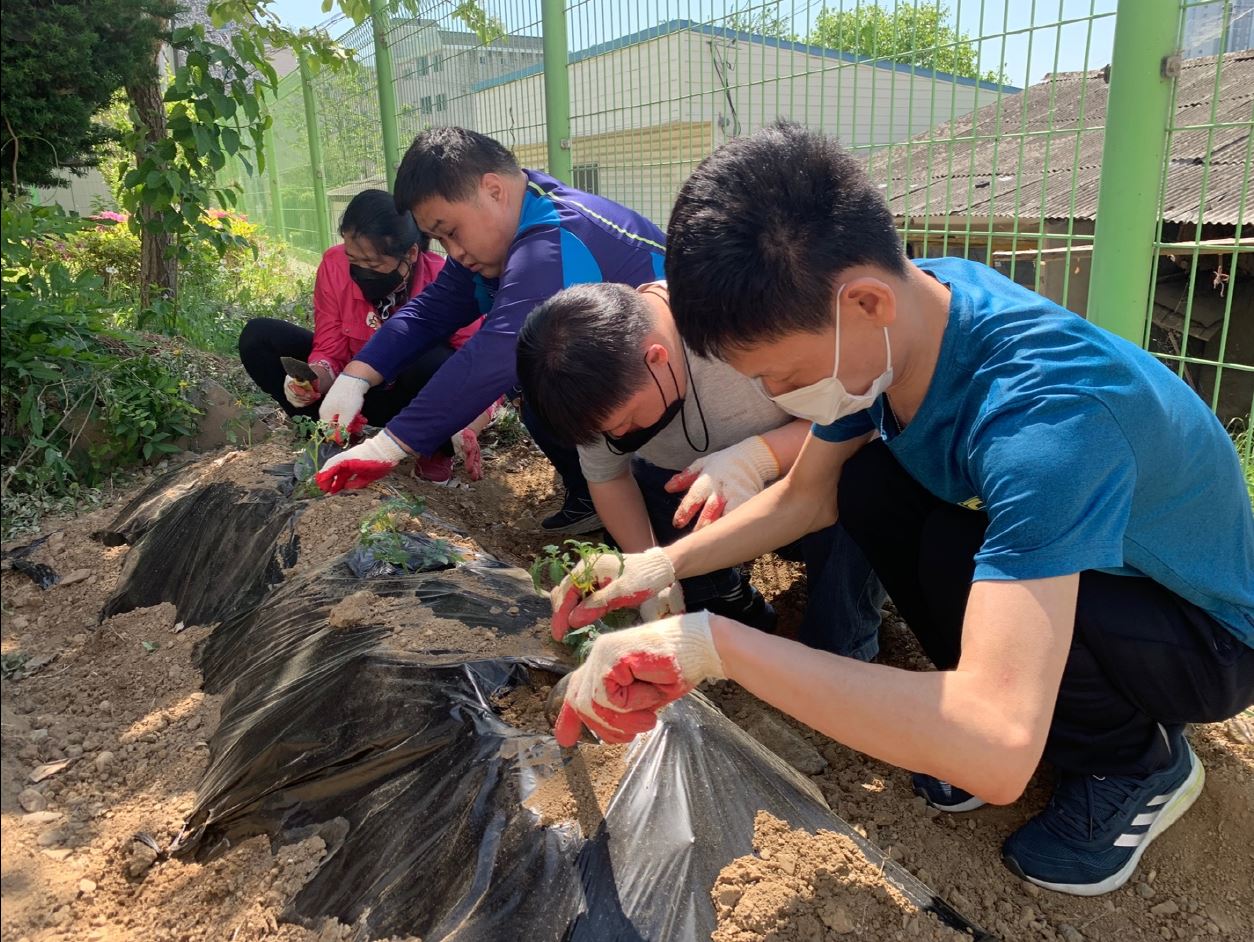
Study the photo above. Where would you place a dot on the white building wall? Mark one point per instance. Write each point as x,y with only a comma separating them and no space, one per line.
727,87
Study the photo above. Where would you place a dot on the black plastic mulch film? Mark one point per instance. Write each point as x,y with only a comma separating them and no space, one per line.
391,751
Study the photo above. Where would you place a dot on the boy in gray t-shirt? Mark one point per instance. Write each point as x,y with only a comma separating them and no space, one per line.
670,441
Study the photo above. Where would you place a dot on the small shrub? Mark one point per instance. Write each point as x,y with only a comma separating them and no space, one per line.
80,398
216,294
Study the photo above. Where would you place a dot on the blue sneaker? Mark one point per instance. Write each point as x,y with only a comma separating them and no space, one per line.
1095,828
940,794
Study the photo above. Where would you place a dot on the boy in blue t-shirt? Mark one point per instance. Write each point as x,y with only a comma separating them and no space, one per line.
514,238
1059,519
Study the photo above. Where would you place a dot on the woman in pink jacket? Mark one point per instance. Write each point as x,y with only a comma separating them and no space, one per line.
382,262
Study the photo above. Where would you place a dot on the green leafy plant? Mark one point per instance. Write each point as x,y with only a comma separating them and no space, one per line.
574,558
507,428
381,533
311,434
80,399
1242,431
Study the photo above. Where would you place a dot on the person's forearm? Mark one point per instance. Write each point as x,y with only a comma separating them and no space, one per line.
364,371
621,508
804,501
785,443
937,723
769,520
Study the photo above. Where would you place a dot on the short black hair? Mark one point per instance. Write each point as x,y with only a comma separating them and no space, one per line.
760,231
449,162
372,215
581,356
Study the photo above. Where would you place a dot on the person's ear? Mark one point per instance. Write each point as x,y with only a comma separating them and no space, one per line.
656,354
411,256
869,297
492,187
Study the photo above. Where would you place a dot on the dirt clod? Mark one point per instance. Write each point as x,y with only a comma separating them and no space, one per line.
352,610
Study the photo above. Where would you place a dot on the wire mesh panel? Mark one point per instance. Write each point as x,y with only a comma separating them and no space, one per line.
1201,320
982,121
349,124
294,167
449,74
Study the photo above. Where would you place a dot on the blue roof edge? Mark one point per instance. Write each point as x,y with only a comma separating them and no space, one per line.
723,32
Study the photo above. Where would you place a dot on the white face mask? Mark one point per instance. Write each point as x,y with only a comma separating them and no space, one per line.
828,400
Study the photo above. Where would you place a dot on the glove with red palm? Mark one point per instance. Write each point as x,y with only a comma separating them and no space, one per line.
719,483
644,581
361,464
631,674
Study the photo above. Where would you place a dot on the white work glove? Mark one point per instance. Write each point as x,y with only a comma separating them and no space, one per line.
723,481
646,582
361,464
300,393
631,674
343,400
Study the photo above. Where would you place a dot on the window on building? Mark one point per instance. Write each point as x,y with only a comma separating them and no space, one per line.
586,177
437,63
424,65
424,105
441,102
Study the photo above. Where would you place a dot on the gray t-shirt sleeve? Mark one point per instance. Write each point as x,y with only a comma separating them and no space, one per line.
599,464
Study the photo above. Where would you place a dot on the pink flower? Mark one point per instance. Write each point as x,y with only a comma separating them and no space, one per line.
110,215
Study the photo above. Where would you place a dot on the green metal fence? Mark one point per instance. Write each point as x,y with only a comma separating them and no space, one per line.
1097,151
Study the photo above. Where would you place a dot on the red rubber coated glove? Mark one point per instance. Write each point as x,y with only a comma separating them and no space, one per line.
644,581
631,674
721,482
300,393
361,464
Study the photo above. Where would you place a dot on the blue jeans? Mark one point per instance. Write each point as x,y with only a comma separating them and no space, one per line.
843,594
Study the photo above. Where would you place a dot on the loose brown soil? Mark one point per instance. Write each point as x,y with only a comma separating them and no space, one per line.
801,887
582,788
121,703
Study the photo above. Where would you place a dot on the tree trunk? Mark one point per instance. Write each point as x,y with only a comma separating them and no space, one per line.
158,268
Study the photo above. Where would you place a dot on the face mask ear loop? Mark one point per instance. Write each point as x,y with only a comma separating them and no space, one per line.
683,417
836,362
661,393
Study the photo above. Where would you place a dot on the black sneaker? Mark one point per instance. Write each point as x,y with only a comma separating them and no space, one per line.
746,605
1091,836
941,795
577,516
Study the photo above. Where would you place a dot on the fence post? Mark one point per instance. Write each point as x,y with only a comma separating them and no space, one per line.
556,87
323,213
1132,165
277,224
387,90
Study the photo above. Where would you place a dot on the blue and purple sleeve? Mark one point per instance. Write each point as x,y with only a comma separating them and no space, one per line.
485,368
444,307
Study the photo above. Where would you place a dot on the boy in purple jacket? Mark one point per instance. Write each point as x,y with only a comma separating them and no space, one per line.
514,238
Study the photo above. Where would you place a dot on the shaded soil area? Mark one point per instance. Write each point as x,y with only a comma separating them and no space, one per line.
110,718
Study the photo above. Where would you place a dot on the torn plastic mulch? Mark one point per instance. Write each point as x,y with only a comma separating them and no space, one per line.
382,738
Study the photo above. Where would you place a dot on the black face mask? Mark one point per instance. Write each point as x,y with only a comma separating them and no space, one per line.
377,285
635,440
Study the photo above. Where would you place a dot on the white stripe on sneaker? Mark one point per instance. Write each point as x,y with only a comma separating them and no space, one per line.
1179,802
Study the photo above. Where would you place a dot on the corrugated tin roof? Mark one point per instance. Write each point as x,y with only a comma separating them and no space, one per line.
1038,152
